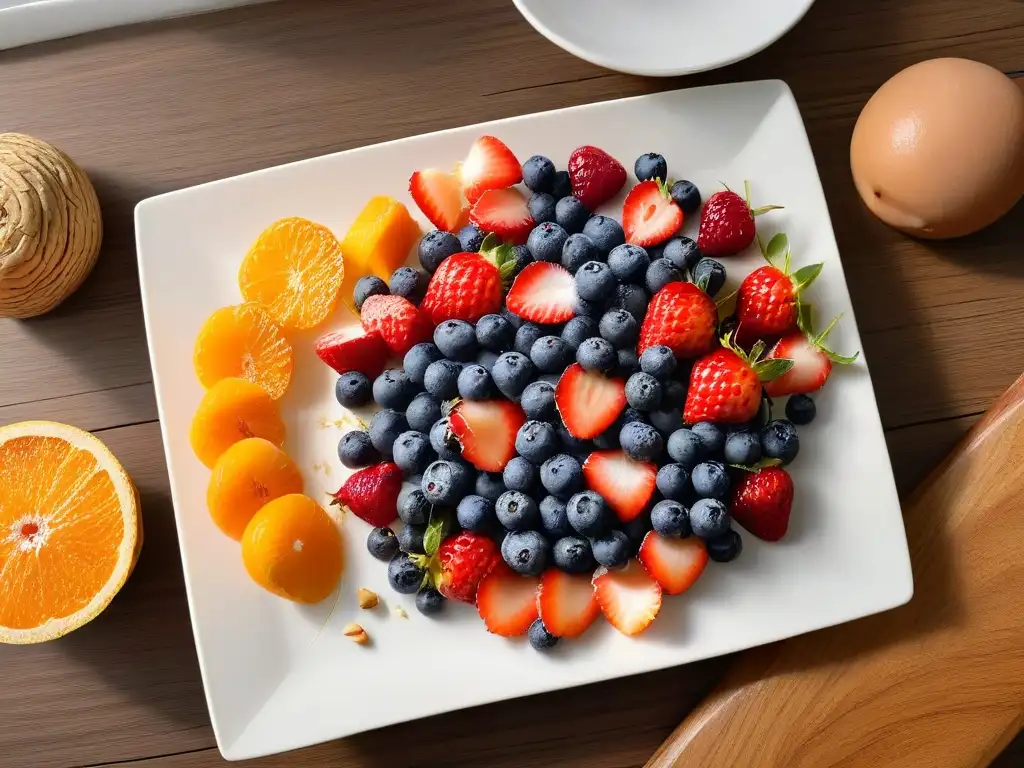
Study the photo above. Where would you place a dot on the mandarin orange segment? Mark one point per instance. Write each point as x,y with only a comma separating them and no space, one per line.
249,474
244,342
295,270
232,410
292,548
378,242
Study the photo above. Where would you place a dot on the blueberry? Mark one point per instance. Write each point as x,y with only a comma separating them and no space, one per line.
527,334
470,238
628,262
445,482
475,383
709,518
486,359
632,298
517,511
554,521
513,319
627,363
780,441
619,327
412,452
628,415
643,391
597,354
522,258
442,379
490,485
650,166
670,518
562,475
589,309
666,420
579,329
686,448
641,441
541,207
683,253
437,246
673,394
686,195
368,286
660,273
742,448
456,339
673,482
595,281
800,409
475,513
394,389
385,427
710,480
382,543
573,554
725,548
608,440
356,451
571,444
711,437
539,637
422,412
606,233
511,373
404,575
536,441
495,333
526,552
637,528
418,358
709,276
520,475
545,242
538,401
445,445
429,601
550,354
409,283
562,186
353,389
658,361
413,507
577,251
588,514
571,214
539,174
410,539
613,549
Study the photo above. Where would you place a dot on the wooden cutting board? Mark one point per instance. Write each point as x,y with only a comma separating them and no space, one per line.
937,683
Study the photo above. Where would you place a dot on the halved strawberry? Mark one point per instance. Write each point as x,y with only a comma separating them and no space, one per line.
674,563
625,484
543,293
489,165
812,363
566,603
588,402
397,320
629,598
367,353
649,215
506,601
503,212
487,431
439,195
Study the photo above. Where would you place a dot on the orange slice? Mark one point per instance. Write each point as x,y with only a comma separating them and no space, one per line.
232,410
249,474
378,242
295,270
244,342
70,530
292,548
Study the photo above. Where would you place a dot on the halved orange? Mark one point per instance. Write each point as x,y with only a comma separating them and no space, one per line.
232,410
70,529
243,341
295,270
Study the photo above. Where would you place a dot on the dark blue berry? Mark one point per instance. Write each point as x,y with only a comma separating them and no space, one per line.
445,482
571,444
710,480
471,238
385,427
429,601
643,391
800,409
673,394
650,166
495,333
588,514
513,319
709,276
520,475
541,207
628,415
578,329
442,379
538,401
526,552
554,521
356,451
475,513
486,359
686,195
637,528
368,286
627,363
410,539
660,273
490,485
522,259
525,336
382,543
418,358
456,339
743,448
545,242
409,283
413,507
725,548
595,281
780,441
475,383
562,475
670,518
613,549
674,482
683,253
422,412
394,389
550,354
571,214
686,448
404,575
516,511
629,263
536,441
632,298
577,251
412,452
511,373
641,441
597,354
709,518
658,361
620,328
353,389
539,637
711,437
592,309
437,246
445,445
573,554
562,186
606,233
539,174
666,420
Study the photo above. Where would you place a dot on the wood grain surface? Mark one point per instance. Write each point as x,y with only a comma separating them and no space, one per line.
158,107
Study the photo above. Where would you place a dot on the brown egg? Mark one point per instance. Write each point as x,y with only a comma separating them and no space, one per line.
938,151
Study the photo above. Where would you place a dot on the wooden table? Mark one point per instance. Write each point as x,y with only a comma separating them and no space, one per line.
150,109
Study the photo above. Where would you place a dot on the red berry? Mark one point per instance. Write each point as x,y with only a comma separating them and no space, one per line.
464,560
566,603
466,286
588,402
596,176
399,322
629,598
543,293
506,601
371,494
649,216
367,353
724,388
761,502
676,564
439,195
683,318
489,165
626,485
727,224
503,212
487,431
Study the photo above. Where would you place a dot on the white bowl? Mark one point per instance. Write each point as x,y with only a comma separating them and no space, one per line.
662,38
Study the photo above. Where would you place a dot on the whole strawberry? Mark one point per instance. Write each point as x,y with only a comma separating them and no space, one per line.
397,320
683,318
596,176
371,494
761,502
468,286
727,223
462,561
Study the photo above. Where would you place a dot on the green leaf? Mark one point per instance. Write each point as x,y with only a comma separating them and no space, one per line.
437,530
726,305
492,241
767,370
764,412
804,276
776,248
840,359
762,464
805,317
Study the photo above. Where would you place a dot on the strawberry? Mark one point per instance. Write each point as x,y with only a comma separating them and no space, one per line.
462,562
727,223
503,212
625,484
812,362
489,165
725,385
649,215
674,563
588,402
543,293
629,598
487,431
683,318
372,494
566,603
439,195
506,601
596,176
397,320
761,502
367,353
468,286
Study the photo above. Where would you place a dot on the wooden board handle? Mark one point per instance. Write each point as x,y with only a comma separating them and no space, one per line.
937,683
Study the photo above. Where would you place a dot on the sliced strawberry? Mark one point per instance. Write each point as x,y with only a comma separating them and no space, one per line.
566,603
812,363
625,484
503,212
588,402
629,598
543,293
367,353
439,195
487,431
649,216
674,563
397,320
596,176
506,601
489,165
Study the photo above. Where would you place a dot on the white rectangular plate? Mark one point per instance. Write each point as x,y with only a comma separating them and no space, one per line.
280,676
